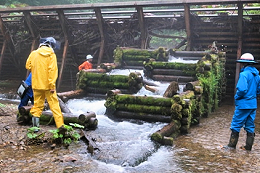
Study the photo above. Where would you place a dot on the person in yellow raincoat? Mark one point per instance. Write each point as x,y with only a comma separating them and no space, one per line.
43,65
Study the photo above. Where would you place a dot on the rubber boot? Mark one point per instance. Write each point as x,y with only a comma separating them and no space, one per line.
233,139
35,122
250,137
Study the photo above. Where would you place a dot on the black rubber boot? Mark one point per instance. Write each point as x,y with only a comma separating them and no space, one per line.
233,139
250,137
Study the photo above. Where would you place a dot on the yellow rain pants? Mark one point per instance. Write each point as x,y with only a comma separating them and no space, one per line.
52,99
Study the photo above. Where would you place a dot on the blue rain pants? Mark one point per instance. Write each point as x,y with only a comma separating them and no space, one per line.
243,118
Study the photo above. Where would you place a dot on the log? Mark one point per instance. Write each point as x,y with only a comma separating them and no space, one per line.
47,118
65,96
152,89
143,100
114,92
173,72
95,70
91,144
142,116
108,66
180,79
146,109
172,129
171,90
191,85
184,95
89,120
150,83
63,106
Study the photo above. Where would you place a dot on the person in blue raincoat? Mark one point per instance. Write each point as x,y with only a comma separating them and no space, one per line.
28,96
247,89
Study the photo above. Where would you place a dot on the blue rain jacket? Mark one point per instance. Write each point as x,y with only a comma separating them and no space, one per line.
28,81
248,87
29,93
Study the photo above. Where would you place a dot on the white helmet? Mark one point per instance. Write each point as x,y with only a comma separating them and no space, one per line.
247,58
89,57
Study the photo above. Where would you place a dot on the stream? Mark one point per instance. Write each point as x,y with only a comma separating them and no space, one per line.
125,145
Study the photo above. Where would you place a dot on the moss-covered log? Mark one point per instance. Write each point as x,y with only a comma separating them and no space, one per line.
185,67
173,72
191,85
172,129
180,79
101,83
88,120
144,109
143,100
184,95
171,90
142,116
135,57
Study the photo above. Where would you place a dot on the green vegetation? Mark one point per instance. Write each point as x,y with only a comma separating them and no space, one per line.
66,139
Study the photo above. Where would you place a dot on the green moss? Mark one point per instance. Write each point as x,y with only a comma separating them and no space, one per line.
157,137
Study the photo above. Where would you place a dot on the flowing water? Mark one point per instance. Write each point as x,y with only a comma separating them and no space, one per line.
125,145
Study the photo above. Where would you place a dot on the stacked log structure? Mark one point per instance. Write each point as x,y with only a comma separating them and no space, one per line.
129,57
182,110
170,71
147,108
88,119
101,83
211,74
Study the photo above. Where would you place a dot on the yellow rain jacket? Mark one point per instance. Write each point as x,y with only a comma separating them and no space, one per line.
43,65
43,62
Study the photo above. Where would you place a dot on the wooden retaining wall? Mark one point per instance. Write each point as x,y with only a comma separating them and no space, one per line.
199,99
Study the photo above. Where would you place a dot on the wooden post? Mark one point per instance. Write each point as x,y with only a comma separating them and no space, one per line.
102,36
34,33
66,45
239,46
7,42
187,24
140,15
2,54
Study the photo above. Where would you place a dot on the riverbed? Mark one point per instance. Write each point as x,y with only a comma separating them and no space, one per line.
125,146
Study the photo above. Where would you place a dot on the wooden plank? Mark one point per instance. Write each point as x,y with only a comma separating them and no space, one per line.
119,5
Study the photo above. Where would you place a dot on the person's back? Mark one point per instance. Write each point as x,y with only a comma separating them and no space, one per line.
247,88
43,65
